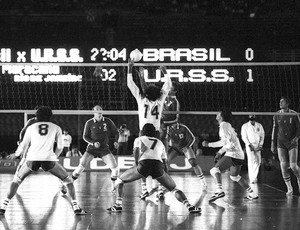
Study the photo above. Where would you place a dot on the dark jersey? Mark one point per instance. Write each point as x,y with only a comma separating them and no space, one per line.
286,127
170,104
100,131
181,136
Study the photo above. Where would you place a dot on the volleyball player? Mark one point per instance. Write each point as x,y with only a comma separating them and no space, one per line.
181,142
230,156
151,163
150,102
285,133
97,131
38,144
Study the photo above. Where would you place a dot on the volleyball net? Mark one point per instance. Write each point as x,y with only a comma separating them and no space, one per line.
242,87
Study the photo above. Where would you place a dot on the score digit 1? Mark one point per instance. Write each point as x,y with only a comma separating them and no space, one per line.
250,77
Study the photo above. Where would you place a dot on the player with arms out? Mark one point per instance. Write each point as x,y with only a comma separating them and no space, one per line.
150,103
97,131
230,156
182,140
151,163
285,133
38,144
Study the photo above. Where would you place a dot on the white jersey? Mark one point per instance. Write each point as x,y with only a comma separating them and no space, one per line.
151,148
149,111
229,142
39,140
253,134
67,140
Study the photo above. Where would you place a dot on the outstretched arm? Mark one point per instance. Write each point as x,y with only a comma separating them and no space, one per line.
130,83
168,83
142,79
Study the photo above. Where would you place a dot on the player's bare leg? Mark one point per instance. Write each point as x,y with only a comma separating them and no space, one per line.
66,179
284,165
170,185
190,155
111,162
84,161
293,156
19,176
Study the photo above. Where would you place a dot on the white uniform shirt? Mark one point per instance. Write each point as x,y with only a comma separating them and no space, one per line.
39,141
67,140
155,149
149,111
229,142
253,134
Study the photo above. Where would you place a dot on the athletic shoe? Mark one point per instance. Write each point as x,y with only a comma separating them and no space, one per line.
216,196
115,208
194,209
74,177
80,211
63,189
2,211
252,196
289,192
153,191
144,195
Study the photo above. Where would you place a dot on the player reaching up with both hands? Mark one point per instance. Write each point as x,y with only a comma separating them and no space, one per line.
150,102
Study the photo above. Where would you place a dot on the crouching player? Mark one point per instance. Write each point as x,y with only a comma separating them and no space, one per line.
38,146
151,163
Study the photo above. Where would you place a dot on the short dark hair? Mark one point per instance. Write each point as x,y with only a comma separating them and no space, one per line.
226,115
43,113
286,99
148,130
152,92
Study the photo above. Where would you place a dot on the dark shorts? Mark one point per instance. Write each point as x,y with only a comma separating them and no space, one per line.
287,145
154,168
176,149
97,152
228,162
45,165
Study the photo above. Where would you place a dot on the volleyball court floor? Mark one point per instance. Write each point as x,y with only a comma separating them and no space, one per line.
39,205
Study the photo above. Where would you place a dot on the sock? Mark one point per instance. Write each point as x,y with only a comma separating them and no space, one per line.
5,203
249,190
75,204
114,172
288,183
201,176
144,187
119,201
187,204
219,188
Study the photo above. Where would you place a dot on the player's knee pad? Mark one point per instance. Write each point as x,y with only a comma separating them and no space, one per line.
17,180
193,162
214,171
235,178
68,180
294,166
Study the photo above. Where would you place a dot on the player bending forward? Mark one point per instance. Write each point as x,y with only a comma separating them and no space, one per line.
151,163
38,144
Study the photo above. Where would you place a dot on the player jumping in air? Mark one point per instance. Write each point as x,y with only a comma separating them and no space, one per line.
150,103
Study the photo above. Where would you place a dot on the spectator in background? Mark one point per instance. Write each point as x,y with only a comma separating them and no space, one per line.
124,134
253,135
285,136
74,152
67,140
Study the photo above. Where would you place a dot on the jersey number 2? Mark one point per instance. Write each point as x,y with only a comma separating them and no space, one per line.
43,129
